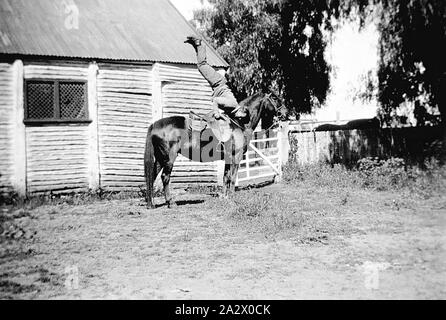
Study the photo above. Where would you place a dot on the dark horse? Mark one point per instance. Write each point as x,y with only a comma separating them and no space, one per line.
168,137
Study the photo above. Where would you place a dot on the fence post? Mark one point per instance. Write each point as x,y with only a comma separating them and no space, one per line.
157,111
283,146
93,131
19,138
220,167
247,164
283,143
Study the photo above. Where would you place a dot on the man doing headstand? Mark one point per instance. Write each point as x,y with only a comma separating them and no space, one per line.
222,96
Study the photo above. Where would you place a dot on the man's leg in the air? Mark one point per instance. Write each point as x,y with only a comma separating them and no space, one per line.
210,74
215,79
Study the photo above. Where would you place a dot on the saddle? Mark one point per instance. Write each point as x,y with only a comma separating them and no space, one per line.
220,128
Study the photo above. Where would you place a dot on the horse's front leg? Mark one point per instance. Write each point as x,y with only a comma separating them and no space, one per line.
234,172
238,157
226,180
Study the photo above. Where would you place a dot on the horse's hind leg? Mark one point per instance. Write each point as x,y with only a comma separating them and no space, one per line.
165,177
150,167
150,189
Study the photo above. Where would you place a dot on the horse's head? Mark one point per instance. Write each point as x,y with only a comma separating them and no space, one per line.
263,107
271,108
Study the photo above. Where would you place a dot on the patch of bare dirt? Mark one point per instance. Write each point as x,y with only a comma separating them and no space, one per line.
118,249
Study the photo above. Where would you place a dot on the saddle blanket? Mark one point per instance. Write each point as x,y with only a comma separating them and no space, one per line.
220,128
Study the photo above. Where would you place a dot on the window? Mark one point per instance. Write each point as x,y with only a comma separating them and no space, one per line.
55,101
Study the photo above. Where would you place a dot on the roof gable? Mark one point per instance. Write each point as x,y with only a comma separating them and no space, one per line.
138,30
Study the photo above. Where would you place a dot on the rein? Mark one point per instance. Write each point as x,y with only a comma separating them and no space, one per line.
275,122
268,96
227,117
236,123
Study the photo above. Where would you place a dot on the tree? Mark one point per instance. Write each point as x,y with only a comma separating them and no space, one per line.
269,47
412,55
305,73
247,34
279,44
412,67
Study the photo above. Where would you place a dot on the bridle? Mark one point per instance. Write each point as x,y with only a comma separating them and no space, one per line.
270,100
268,97
276,109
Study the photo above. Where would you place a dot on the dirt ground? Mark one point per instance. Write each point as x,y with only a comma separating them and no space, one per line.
368,245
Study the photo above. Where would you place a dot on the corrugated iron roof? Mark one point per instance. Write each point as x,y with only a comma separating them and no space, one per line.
137,30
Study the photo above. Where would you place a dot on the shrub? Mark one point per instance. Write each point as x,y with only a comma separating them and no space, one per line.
429,181
383,174
371,173
279,215
319,175
267,212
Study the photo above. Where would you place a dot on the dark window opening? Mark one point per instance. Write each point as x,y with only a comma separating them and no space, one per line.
56,101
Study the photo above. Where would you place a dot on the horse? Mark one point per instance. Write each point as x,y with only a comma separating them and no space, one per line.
168,137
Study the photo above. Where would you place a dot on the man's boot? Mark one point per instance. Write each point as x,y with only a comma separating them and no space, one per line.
240,112
193,40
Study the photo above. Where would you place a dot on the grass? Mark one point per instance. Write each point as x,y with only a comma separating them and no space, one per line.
321,220
309,208
374,175
320,200
14,202
284,213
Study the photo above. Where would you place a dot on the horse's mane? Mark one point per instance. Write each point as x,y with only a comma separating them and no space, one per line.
249,100
254,105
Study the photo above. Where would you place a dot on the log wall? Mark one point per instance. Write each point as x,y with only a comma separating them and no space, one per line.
57,155
124,115
64,158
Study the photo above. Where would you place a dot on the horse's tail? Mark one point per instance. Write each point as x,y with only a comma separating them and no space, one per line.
149,167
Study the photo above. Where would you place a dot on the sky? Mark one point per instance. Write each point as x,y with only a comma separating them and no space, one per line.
351,53
186,7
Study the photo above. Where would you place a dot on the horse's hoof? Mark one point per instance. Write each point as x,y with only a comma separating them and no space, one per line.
171,205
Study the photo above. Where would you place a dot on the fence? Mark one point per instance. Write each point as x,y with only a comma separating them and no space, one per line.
262,161
413,144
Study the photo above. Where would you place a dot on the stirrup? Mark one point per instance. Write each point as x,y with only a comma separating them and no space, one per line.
192,112
196,122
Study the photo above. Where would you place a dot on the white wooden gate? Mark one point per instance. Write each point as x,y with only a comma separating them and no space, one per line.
262,162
